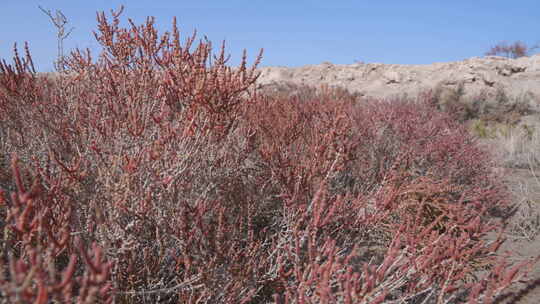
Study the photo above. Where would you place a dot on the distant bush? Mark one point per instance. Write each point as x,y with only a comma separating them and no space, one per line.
154,174
515,50
487,106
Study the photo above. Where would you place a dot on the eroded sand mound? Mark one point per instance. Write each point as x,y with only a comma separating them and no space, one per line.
517,77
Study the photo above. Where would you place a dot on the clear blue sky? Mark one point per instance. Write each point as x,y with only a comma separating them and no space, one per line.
296,32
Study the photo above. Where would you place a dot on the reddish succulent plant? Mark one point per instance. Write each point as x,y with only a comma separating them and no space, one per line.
192,187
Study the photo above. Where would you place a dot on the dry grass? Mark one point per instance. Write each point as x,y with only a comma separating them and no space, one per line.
519,146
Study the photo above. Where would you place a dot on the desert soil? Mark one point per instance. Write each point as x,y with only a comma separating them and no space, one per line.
519,246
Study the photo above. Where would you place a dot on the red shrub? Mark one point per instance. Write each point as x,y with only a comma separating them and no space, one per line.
515,50
196,189
41,253
370,174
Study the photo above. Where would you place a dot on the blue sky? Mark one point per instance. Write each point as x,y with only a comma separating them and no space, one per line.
295,32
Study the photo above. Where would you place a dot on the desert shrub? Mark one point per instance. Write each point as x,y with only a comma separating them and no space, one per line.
452,100
305,93
194,188
480,129
515,50
42,258
496,106
519,146
140,139
399,172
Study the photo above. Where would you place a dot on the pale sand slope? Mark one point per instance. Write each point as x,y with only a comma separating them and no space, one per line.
517,77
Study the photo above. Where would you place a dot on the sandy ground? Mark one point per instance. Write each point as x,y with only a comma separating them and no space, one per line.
523,244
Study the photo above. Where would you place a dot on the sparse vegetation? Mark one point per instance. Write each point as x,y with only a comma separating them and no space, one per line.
514,50
517,148
154,174
490,107
519,145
